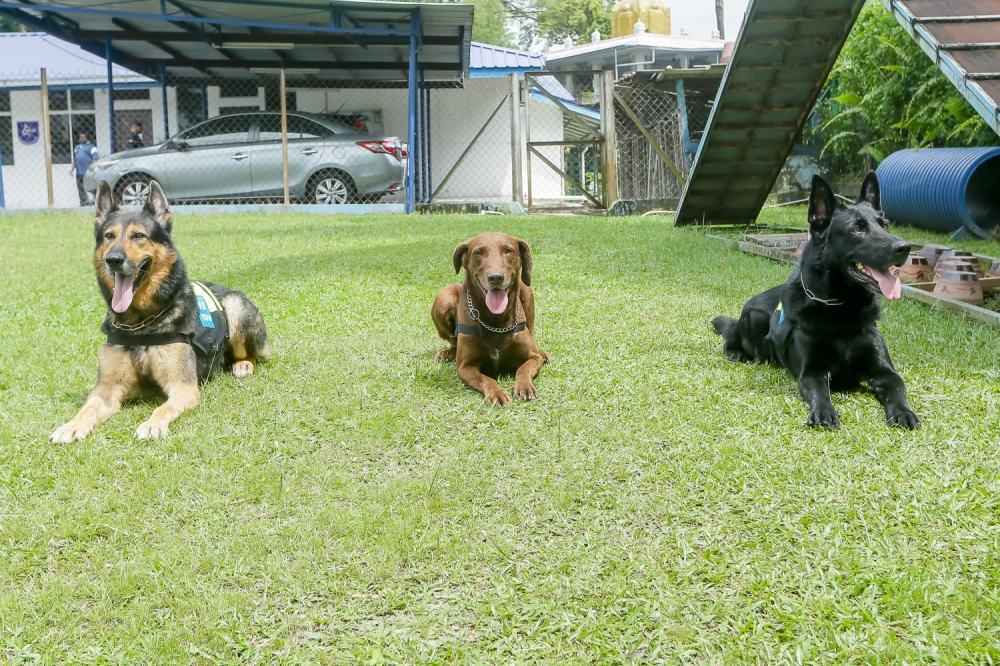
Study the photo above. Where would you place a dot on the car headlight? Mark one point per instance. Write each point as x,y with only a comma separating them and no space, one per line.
104,164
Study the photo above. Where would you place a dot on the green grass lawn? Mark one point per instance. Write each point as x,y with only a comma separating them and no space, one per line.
353,502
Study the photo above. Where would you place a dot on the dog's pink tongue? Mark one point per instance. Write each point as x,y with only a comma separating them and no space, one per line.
122,297
496,300
888,283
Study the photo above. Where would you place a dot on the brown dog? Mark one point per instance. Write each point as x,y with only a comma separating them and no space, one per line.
489,319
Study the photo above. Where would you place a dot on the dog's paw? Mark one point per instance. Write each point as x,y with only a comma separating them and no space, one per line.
445,356
152,429
826,417
525,391
498,397
546,358
242,369
70,432
903,418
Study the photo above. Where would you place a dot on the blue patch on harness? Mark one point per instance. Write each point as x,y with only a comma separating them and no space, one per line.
204,314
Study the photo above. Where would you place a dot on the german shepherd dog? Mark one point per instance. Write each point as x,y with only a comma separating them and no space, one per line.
154,318
489,319
821,324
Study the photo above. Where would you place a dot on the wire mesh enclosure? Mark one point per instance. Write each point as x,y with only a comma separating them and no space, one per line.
565,139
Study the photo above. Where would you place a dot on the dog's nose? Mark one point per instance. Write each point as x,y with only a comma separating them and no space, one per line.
114,259
495,277
900,250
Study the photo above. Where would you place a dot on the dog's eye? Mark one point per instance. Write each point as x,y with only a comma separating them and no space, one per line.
478,253
508,251
138,236
857,230
109,235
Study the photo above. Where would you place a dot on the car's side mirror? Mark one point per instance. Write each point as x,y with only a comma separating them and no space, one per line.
177,144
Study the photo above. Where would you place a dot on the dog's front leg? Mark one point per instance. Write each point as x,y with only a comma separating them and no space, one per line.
891,392
524,387
815,390
175,369
115,378
488,386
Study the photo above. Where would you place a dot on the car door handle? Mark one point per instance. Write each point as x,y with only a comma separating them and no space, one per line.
309,151
240,156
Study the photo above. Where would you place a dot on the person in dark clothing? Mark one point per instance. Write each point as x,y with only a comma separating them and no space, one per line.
134,139
84,154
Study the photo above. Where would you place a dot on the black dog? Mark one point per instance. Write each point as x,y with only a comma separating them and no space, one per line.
821,324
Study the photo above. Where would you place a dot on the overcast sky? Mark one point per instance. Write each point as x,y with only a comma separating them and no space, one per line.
699,17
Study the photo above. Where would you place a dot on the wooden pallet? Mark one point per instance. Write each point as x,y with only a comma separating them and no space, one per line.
921,291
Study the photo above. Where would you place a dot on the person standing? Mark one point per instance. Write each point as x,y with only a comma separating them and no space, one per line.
134,139
84,155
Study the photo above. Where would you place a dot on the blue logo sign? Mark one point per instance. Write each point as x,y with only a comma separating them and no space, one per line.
204,314
28,132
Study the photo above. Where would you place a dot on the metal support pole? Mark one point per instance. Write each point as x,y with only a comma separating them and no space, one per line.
111,92
204,101
166,120
47,136
284,137
3,202
425,143
516,186
418,175
411,111
685,131
609,149
527,132
430,152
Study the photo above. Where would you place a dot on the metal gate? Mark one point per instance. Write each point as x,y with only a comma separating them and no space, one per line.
568,142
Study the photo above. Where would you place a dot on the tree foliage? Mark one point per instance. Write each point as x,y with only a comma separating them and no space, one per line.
885,94
555,20
490,24
6,25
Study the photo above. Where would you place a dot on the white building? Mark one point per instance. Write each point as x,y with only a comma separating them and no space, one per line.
78,100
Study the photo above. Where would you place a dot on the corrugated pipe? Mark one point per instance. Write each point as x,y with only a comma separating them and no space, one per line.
943,189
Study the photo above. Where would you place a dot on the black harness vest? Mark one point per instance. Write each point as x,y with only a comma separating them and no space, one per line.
209,337
779,333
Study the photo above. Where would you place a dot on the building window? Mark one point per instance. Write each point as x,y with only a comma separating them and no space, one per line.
237,88
126,94
272,99
192,107
6,131
70,114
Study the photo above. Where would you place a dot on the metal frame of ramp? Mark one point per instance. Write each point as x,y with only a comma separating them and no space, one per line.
781,61
962,37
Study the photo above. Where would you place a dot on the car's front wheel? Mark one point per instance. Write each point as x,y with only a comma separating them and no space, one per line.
133,190
331,188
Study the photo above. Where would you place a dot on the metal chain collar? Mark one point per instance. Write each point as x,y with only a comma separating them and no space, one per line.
135,327
832,301
474,314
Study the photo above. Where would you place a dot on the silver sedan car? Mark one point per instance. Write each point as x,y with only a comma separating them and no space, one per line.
238,157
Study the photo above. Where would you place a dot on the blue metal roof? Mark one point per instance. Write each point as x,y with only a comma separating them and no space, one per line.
486,60
22,54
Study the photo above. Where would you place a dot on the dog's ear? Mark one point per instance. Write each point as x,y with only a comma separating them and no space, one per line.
459,257
870,191
156,205
104,203
526,263
822,203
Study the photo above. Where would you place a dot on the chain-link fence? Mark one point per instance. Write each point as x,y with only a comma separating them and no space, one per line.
564,140
211,141
659,122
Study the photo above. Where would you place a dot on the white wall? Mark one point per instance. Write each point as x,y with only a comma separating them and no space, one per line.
456,117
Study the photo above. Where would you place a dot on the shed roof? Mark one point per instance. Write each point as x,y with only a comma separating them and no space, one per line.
489,60
22,54
317,42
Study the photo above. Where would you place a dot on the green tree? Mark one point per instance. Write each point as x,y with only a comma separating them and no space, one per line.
6,25
885,94
490,23
559,19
